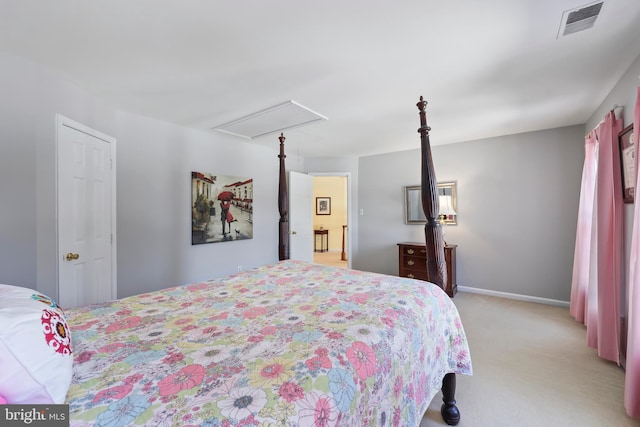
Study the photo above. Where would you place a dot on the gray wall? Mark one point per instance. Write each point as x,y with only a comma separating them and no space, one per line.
154,164
623,94
517,208
155,160
30,99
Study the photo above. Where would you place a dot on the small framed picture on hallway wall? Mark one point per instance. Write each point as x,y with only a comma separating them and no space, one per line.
627,140
323,205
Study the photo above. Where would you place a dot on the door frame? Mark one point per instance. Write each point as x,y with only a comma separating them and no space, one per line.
62,121
349,207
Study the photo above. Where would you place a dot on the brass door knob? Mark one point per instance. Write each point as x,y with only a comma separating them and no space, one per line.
71,257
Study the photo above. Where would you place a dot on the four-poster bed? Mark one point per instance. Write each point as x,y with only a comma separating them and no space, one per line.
436,266
290,343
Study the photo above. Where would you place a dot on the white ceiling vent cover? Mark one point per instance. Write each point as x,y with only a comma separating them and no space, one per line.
283,116
575,20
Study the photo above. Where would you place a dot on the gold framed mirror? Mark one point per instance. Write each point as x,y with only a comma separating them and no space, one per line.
447,198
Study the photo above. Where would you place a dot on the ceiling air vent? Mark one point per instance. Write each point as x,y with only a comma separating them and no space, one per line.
575,20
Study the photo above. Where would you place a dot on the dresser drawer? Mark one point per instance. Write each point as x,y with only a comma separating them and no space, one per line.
414,251
414,263
414,274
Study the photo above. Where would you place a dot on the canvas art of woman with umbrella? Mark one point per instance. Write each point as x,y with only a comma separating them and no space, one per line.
225,198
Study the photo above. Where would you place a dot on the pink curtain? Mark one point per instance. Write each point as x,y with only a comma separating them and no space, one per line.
610,238
584,233
632,376
596,278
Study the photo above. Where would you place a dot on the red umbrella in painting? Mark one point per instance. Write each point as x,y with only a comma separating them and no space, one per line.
225,196
225,199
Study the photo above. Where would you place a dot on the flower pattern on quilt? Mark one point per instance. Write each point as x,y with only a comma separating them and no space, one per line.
185,379
290,344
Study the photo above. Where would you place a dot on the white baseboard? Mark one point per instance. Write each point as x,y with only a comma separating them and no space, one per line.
519,297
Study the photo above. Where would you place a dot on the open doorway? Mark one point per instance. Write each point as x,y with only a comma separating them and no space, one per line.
331,220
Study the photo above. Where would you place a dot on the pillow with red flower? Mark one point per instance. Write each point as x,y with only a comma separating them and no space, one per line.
35,348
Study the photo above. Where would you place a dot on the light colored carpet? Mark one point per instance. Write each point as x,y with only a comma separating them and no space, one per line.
532,367
332,258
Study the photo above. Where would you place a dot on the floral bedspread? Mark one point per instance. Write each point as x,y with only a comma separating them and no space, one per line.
289,344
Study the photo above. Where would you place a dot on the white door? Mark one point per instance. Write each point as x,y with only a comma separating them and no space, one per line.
301,216
86,212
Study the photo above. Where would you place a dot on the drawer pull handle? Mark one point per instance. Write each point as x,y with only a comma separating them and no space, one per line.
423,251
410,262
410,276
410,251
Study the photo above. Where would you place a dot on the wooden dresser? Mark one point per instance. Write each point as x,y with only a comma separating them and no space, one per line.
412,262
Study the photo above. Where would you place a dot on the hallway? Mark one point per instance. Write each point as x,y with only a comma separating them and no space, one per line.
330,258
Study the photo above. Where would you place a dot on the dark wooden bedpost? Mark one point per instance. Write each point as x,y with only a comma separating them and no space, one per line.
283,203
436,266
449,410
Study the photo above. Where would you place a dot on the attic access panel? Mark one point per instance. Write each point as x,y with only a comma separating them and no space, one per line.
283,116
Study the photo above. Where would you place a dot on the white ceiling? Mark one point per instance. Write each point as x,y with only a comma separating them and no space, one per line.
487,68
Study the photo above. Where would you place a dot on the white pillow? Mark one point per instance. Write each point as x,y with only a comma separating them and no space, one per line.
35,348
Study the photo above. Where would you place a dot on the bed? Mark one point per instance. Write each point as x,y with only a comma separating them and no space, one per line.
291,344
286,344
